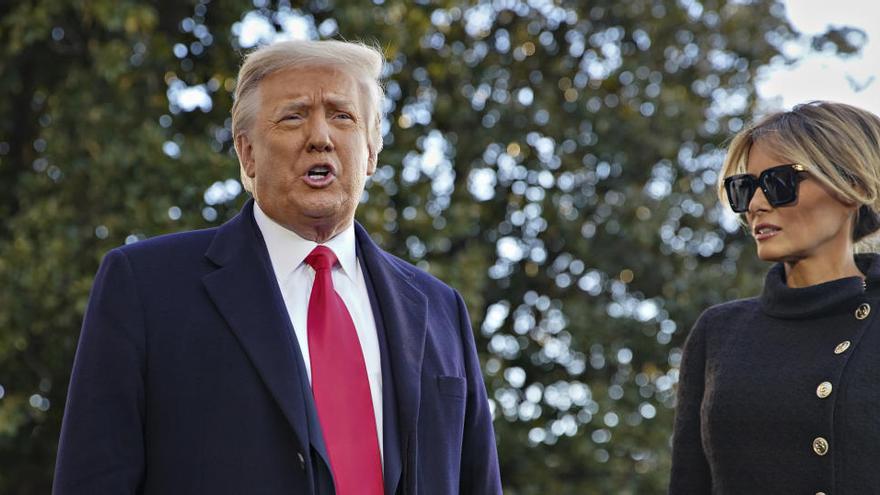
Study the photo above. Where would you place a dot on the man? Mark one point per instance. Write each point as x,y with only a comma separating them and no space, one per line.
282,352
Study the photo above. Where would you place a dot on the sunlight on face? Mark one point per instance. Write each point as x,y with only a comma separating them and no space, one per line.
307,152
816,225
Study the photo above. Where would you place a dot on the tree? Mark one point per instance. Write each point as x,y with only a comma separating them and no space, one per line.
555,161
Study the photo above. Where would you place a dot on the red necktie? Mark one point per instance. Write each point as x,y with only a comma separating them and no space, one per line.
340,385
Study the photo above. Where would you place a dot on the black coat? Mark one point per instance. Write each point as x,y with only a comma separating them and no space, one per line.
781,394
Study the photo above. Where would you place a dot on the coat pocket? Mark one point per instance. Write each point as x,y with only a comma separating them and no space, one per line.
452,386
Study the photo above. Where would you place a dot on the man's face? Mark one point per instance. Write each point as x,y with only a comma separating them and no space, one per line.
307,150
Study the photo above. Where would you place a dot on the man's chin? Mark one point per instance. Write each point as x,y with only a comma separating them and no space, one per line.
322,214
325,223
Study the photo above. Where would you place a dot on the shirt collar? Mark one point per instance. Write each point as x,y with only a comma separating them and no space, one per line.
287,250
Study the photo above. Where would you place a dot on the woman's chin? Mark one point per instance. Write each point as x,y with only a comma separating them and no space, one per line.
772,255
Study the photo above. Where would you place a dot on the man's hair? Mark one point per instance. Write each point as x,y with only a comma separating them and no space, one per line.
838,144
362,62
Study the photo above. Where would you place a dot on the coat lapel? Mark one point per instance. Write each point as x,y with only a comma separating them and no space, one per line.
403,310
245,293
391,429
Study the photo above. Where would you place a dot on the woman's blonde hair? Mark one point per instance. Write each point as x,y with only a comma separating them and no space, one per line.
838,144
357,59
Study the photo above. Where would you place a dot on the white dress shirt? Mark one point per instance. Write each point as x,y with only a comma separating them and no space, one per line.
287,252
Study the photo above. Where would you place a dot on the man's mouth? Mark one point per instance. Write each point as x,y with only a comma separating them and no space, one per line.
319,171
320,175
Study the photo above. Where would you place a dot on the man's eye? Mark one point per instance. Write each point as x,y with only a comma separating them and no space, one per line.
294,116
344,115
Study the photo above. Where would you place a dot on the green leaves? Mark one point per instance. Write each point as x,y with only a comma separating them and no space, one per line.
555,162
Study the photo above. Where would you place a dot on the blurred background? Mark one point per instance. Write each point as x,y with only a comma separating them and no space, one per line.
553,160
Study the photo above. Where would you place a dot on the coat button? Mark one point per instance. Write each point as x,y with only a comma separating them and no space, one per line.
824,390
820,446
842,347
302,460
820,493
863,311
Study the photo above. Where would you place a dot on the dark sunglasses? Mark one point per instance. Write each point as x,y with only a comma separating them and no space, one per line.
778,183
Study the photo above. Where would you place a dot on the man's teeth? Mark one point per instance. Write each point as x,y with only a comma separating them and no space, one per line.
319,172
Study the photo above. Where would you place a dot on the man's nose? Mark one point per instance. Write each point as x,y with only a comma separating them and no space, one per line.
319,135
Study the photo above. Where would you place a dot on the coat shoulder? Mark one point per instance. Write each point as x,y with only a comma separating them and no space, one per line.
429,284
730,311
722,321
169,255
169,243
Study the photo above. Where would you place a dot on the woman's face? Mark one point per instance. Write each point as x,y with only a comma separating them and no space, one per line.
816,225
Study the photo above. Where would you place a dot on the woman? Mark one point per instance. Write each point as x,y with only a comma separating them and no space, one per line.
780,393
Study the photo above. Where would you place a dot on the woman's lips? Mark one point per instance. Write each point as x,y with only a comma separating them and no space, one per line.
765,231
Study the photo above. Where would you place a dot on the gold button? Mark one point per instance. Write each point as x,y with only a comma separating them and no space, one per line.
842,347
824,390
820,446
863,311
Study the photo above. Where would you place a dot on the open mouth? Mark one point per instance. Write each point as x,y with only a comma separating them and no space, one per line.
320,175
319,172
766,230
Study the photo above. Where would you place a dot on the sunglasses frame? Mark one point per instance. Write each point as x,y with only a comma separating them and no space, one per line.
761,181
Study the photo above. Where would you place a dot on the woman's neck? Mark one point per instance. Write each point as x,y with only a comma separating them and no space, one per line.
816,270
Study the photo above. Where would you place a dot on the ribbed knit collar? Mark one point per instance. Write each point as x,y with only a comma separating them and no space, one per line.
782,301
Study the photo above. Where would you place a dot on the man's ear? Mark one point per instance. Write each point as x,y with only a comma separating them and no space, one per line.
372,158
373,149
245,151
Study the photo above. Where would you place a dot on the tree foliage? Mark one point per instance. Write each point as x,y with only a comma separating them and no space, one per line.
553,160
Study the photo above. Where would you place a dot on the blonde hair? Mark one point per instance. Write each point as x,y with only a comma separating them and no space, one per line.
838,144
357,59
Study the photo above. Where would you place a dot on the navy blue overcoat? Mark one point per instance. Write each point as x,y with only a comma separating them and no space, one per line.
188,378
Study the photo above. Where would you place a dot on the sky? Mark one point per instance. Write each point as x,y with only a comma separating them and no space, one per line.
826,76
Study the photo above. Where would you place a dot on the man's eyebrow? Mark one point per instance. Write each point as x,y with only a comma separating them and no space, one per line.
339,102
297,104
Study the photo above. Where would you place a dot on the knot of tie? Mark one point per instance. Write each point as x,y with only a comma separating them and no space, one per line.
321,258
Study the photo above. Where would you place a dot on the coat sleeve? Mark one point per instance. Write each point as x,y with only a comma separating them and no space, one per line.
101,449
479,460
690,469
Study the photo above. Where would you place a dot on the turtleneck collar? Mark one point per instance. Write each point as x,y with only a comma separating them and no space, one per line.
781,301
